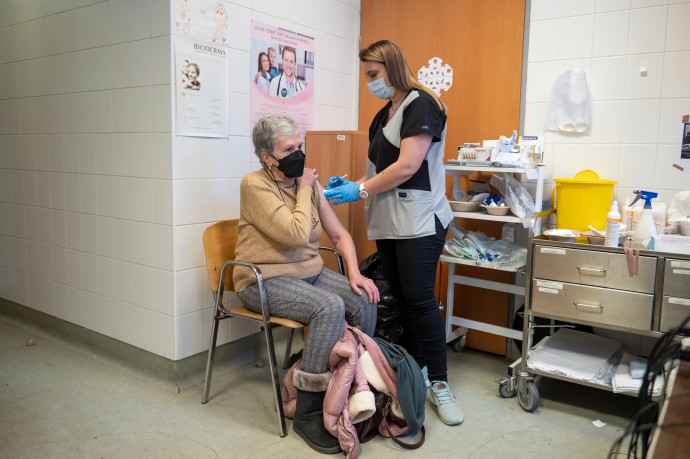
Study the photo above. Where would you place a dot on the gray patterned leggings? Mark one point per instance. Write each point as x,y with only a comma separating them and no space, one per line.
323,302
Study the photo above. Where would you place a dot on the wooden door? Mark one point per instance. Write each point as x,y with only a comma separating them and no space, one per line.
482,41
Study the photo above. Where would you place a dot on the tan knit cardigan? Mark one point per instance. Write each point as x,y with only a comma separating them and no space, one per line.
279,229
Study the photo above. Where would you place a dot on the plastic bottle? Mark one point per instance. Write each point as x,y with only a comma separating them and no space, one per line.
637,211
672,226
645,227
659,215
510,232
627,215
613,226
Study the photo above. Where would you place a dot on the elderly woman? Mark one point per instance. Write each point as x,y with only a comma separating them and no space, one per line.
282,212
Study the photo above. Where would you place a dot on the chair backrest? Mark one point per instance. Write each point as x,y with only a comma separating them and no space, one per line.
220,240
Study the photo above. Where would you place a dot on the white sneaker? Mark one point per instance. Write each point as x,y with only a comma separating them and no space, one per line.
443,399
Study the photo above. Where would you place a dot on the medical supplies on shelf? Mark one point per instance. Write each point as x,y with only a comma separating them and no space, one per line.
475,245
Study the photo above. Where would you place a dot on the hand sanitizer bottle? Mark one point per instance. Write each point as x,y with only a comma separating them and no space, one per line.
613,226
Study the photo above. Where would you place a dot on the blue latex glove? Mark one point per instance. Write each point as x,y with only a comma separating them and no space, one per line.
347,192
335,182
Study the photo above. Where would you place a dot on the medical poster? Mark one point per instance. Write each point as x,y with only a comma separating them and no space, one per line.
281,72
201,88
201,19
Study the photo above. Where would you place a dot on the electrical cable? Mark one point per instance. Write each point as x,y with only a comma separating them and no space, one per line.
666,350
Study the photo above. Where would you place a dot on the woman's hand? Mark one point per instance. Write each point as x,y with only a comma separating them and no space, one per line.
256,78
357,281
308,178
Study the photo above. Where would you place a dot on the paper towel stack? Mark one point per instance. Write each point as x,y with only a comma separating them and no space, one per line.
625,380
578,355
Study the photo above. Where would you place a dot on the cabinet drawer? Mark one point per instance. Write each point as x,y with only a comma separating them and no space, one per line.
673,311
593,304
602,269
677,278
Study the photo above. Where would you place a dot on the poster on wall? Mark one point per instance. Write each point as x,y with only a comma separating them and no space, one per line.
201,19
201,88
685,142
281,69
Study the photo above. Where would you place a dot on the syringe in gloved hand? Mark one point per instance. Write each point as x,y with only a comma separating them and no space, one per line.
335,182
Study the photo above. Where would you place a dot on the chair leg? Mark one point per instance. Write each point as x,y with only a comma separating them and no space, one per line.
209,362
287,348
276,380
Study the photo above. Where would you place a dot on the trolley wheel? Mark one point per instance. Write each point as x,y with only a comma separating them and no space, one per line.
529,398
506,388
459,344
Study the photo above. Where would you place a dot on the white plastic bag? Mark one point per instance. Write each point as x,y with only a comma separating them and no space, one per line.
514,194
680,206
570,111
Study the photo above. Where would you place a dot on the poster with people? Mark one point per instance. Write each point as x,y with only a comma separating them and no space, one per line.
201,19
281,72
201,88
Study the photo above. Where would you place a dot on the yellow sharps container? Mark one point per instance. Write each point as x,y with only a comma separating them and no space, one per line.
582,200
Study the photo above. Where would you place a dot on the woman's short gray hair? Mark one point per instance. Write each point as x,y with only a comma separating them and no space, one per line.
268,129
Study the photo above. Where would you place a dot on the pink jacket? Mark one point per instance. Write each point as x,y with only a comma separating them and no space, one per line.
355,361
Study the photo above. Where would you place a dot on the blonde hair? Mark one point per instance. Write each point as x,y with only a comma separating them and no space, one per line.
399,74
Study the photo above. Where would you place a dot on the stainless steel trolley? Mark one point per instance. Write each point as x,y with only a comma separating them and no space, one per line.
596,290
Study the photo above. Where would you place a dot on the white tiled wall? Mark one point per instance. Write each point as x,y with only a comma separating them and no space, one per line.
207,172
86,165
636,125
101,208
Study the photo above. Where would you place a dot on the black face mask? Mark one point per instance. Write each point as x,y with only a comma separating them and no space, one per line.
292,165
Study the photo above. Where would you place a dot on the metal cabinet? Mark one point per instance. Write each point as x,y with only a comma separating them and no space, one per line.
591,285
675,304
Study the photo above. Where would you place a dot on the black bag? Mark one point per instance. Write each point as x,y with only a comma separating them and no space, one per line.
369,428
388,324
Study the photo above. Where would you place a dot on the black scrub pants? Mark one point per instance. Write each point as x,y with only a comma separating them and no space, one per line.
409,265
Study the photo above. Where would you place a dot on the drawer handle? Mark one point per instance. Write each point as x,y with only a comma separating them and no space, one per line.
584,268
585,305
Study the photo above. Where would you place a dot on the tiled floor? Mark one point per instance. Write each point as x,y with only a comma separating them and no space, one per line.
58,400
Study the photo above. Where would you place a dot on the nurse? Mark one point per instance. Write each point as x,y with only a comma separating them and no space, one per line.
407,212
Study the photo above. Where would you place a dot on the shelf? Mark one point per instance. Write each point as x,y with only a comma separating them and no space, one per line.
482,215
446,258
457,172
532,173
575,380
481,326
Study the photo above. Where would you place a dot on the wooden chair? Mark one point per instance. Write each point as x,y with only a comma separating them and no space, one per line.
220,240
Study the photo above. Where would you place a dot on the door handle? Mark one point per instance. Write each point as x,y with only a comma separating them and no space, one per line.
598,270
585,305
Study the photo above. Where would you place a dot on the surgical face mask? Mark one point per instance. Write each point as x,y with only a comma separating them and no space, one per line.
292,165
380,90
